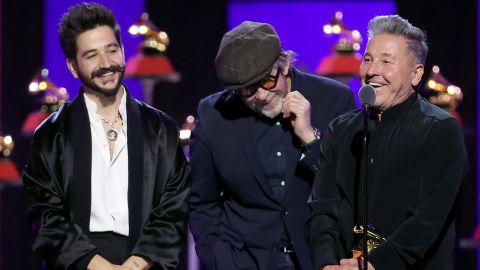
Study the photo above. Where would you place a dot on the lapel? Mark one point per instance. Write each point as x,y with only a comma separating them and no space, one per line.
247,143
79,127
135,135
293,149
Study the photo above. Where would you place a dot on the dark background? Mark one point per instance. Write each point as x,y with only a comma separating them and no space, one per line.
197,26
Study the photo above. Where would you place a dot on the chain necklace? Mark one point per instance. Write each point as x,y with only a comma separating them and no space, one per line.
112,133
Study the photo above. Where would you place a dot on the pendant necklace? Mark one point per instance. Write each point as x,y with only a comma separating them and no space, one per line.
112,133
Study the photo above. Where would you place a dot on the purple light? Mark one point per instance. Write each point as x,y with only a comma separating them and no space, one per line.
300,24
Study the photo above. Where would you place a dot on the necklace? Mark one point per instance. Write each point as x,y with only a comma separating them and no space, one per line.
112,133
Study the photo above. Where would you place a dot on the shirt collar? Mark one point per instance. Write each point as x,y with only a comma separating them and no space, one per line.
92,107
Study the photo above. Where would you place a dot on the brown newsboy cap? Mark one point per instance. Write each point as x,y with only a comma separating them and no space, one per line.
247,54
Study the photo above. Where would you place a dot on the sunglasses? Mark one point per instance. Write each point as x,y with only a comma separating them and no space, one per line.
267,83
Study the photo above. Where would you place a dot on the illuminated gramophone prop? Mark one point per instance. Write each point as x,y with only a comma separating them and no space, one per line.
50,98
344,63
445,95
8,170
185,133
150,65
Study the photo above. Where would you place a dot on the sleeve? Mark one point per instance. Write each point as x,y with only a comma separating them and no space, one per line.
323,230
59,241
312,151
165,233
443,164
205,203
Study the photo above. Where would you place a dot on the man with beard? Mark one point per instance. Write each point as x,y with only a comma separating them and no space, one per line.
106,197
249,185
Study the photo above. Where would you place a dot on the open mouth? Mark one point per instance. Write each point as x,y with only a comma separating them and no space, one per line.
375,84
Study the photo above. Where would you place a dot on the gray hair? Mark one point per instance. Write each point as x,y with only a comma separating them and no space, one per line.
282,62
396,25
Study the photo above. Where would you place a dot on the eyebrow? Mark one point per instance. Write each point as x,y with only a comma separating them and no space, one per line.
108,46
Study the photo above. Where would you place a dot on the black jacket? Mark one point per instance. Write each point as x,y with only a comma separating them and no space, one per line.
234,215
416,162
58,177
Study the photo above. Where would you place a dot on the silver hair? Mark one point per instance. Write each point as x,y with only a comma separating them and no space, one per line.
396,25
282,59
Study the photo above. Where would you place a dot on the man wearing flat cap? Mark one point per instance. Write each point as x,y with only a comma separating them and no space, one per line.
253,153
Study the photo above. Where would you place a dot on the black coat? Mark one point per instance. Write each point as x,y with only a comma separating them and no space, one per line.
58,177
235,218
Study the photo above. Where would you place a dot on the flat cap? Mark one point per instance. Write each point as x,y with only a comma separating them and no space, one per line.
247,54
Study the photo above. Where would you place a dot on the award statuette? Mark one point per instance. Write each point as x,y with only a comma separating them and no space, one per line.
374,240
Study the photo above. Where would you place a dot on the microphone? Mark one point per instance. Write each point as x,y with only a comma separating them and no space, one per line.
367,96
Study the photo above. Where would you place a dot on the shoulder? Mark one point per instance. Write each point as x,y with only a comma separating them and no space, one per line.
346,120
54,123
154,115
431,111
225,105
216,99
321,84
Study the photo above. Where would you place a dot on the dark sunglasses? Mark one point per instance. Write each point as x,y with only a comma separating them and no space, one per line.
267,83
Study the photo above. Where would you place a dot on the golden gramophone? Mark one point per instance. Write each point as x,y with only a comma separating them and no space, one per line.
374,240
444,94
150,65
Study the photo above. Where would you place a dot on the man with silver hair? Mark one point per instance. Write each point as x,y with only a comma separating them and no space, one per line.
250,190
416,161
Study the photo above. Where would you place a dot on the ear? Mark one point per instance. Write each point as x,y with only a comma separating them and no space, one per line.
123,53
287,66
417,74
72,67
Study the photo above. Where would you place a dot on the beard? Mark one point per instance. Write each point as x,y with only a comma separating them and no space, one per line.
259,106
107,92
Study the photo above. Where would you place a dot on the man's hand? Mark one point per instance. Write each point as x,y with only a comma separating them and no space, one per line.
348,264
354,264
137,263
100,263
297,108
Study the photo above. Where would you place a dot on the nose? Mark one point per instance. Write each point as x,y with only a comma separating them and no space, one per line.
262,94
373,68
104,61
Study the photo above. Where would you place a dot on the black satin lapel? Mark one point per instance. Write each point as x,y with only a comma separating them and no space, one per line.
79,130
135,167
248,143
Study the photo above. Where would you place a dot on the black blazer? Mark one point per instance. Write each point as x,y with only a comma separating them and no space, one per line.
234,214
58,177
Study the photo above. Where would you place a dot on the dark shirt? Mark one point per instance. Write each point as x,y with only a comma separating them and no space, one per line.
416,161
273,135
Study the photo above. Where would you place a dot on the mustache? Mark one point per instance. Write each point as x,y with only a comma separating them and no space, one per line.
102,71
267,100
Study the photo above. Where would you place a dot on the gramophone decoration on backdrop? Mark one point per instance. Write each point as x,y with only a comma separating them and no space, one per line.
48,95
8,170
150,65
185,134
344,62
444,94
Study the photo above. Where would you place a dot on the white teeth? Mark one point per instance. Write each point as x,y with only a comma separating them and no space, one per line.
375,85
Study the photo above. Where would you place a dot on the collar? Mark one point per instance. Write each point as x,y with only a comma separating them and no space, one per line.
395,112
92,106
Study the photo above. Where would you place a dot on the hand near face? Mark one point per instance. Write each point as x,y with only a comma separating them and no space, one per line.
297,108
